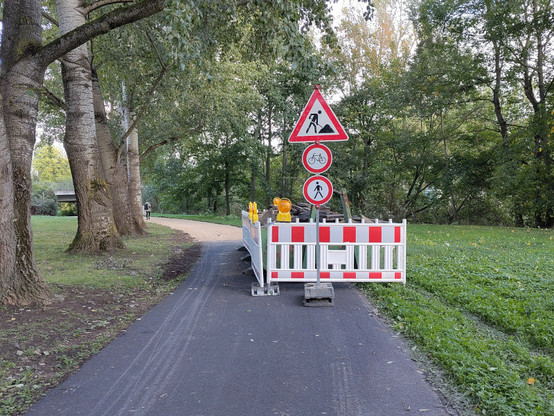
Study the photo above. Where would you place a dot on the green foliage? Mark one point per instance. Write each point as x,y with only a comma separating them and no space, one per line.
67,209
478,301
50,165
43,200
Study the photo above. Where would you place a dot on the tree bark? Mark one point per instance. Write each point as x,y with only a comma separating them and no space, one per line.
133,169
114,173
23,63
96,228
20,80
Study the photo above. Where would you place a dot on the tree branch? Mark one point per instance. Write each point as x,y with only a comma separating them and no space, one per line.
104,24
155,146
142,112
102,3
50,19
54,99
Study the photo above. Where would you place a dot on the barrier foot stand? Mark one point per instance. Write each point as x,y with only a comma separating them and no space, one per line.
246,257
242,248
319,294
270,289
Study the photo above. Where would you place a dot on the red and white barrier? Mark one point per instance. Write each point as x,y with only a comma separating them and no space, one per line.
365,252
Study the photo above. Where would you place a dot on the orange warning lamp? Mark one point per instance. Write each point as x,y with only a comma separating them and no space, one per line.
276,201
284,206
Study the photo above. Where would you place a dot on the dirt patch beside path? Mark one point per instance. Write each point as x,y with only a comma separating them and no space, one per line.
201,231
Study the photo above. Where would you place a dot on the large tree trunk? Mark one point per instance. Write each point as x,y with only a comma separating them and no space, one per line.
114,173
20,281
96,228
133,177
23,63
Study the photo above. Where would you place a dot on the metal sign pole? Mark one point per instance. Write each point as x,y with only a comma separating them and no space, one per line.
317,256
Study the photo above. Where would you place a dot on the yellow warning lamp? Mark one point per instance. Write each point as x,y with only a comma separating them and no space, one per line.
250,211
284,206
254,212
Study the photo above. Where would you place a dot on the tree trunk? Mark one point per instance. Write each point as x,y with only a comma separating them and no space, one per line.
23,63
227,189
96,228
268,197
114,173
133,177
21,78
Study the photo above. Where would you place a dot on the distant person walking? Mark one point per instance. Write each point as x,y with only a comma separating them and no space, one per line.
147,210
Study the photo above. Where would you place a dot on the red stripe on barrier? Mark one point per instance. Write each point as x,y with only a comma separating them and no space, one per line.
274,275
397,235
375,276
324,234
349,234
297,275
398,275
325,275
275,234
349,275
297,234
375,234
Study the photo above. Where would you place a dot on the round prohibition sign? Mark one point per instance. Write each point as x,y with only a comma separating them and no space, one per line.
318,190
317,158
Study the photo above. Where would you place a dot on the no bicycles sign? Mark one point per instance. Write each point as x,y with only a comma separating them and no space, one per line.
317,158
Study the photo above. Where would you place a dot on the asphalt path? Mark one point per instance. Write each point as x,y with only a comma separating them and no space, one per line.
212,349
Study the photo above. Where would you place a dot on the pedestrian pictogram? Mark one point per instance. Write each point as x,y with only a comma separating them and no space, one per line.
317,122
318,190
317,158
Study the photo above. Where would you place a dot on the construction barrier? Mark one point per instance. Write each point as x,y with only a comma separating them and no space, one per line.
359,252
252,240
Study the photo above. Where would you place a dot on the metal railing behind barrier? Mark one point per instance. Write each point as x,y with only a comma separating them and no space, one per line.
252,240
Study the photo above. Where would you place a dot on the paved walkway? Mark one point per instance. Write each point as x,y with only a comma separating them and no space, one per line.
211,349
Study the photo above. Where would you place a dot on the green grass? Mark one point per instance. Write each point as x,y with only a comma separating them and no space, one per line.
225,220
480,302
126,283
133,267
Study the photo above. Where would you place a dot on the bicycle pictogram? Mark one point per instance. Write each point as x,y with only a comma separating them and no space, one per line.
317,158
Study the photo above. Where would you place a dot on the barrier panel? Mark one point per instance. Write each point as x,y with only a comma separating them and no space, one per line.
252,240
360,252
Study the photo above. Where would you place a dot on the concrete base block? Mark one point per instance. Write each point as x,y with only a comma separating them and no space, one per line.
268,290
322,294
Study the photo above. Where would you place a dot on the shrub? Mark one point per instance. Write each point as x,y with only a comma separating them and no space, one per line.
43,200
68,209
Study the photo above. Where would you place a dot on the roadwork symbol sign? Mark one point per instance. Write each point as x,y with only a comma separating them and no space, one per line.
317,123
318,190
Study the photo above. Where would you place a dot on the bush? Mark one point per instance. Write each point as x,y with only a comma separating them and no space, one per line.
68,209
43,200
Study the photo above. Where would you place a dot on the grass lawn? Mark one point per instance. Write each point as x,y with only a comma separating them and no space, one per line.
480,303
96,297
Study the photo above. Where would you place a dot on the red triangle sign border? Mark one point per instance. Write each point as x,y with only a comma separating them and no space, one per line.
339,136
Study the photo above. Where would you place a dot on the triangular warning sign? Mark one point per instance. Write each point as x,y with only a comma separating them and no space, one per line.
317,123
